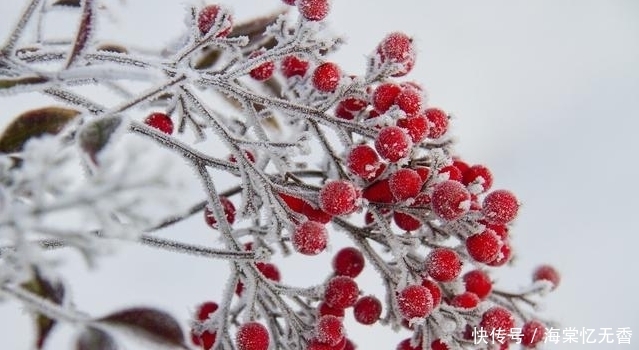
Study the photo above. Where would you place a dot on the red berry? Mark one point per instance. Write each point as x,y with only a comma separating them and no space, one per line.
500,229
478,174
438,344
313,10
409,101
349,345
484,246
206,19
229,212
161,122
310,238
343,113
424,172
289,2
434,290
438,122
503,256
384,96
533,332
264,70
461,165
341,292
405,184
339,197
353,104
406,345
450,200
415,301
500,207
416,126
452,172
252,336
443,264
292,66
378,192
478,282
406,221
367,310
398,47
349,262
364,162
466,300
299,205
268,270
326,77
422,200
329,330
393,144
497,318
207,338
324,309
547,273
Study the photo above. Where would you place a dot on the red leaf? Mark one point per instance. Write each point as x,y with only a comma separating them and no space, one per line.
155,325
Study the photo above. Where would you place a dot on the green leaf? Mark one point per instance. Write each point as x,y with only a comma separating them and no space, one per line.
34,123
151,324
95,339
51,290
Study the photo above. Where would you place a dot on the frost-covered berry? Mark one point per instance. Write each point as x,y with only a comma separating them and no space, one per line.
161,122
264,70
252,336
503,257
398,48
393,144
450,200
289,2
434,290
339,197
404,184
341,292
547,273
438,344
229,212
443,264
500,207
313,10
532,333
206,19
310,238
438,120
409,101
406,221
326,77
249,155
416,127
414,301
349,262
384,96
329,330
480,175
293,66
451,172
367,310
478,282
364,162
206,338
301,206
325,309
483,247
268,270
466,300
497,318
406,344
378,192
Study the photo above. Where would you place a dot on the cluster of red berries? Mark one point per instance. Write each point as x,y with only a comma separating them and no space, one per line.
403,176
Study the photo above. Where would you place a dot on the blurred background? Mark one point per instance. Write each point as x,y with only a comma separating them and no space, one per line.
545,93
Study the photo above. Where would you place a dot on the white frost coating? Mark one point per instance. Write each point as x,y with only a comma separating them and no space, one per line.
465,205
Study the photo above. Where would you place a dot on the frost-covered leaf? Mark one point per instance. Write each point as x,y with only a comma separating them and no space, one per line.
85,29
155,325
96,135
9,83
95,339
34,123
50,290
70,3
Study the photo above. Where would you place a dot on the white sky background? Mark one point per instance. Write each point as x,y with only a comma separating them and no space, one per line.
545,93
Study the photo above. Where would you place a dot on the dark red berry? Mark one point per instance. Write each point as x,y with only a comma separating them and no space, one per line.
161,122
349,262
326,77
206,19
367,310
313,10
292,66
229,212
